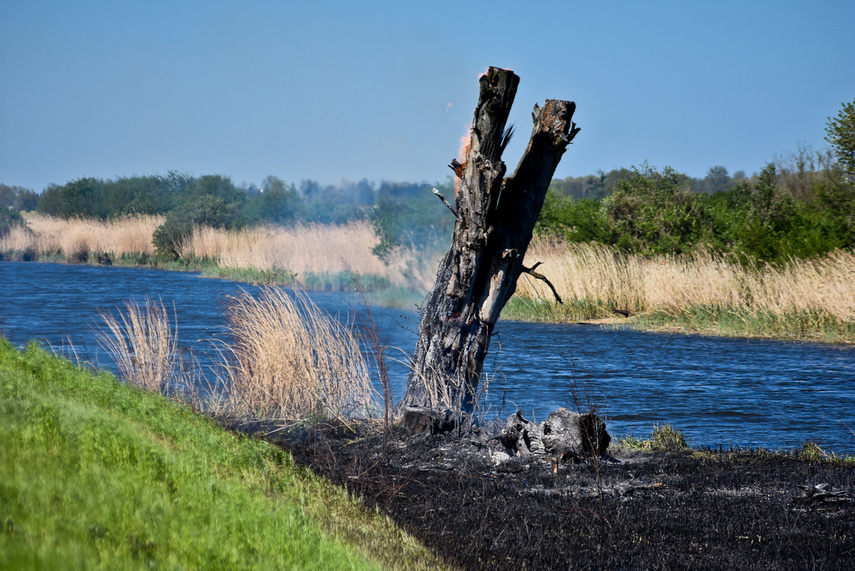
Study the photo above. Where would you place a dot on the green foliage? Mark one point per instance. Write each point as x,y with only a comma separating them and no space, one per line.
654,212
805,211
574,220
277,203
811,452
17,198
840,133
662,438
204,209
79,198
592,187
717,180
8,220
26,200
766,221
335,204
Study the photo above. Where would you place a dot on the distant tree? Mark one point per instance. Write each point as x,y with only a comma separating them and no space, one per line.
574,220
205,210
82,197
595,187
276,203
7,195
26,200
363,193
717,180
408,214
8,220
840,133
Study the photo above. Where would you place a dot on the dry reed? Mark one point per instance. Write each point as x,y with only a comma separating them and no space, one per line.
601,280
291,362
309,249
144,345
300,249
76,238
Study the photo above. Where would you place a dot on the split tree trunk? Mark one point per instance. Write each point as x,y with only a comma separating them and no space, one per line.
495,221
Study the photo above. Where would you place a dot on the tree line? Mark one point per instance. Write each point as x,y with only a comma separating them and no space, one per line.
800,206
402,213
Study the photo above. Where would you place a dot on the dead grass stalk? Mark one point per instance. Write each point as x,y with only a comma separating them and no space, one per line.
144,345
292,362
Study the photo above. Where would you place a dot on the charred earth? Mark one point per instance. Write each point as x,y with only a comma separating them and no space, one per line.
483,505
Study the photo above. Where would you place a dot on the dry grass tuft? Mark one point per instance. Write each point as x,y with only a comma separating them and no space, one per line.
292,362
144,345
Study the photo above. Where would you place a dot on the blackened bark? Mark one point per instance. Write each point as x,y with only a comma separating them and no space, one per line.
495,221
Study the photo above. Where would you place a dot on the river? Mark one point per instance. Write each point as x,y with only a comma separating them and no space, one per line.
719,392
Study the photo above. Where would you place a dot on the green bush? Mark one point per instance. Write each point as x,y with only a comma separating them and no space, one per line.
8,220
662,438
206,210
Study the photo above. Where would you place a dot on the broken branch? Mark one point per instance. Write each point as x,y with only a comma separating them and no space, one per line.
537,275
445,202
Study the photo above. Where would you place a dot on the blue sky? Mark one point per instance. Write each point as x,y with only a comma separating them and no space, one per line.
385,90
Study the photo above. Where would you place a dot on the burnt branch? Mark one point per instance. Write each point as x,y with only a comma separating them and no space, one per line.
537,275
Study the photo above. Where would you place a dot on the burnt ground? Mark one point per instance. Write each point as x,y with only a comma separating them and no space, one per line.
631,510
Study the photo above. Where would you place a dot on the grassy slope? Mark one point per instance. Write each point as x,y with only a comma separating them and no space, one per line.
97,474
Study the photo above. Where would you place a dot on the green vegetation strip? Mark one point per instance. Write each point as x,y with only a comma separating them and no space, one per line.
95,474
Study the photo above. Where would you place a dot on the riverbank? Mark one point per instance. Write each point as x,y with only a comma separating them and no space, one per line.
704,293
311,257
97,474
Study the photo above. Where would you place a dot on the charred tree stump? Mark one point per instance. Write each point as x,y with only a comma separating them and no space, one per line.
495,220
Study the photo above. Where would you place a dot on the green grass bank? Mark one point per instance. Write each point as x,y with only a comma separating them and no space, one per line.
96,474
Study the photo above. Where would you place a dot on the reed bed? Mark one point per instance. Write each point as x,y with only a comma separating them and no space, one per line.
703,291
312,256
310,250
300,249
75,239
290,362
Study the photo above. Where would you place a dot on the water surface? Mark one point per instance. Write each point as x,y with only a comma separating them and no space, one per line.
718,391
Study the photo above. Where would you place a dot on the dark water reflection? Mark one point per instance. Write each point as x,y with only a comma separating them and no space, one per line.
728,392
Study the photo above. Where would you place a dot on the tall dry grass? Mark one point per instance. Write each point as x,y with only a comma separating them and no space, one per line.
288,361
292,362
599,280
144,345
311,249
76,238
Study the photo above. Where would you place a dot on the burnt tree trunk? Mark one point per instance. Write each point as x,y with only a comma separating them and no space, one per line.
495,221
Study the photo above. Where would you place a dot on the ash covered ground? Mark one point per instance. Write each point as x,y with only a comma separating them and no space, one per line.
480,508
